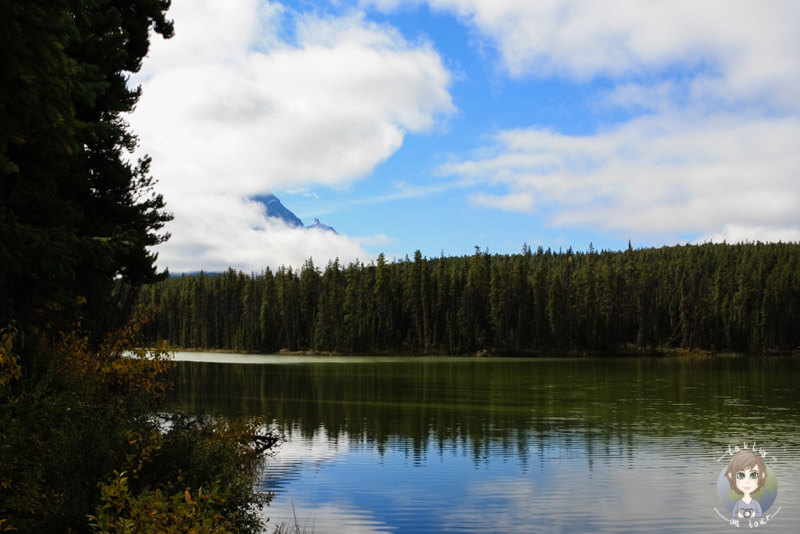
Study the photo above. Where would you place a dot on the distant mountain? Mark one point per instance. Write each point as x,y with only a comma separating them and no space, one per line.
276,209
321,226
279,211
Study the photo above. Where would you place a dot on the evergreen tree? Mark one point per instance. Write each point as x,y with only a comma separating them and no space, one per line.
75,216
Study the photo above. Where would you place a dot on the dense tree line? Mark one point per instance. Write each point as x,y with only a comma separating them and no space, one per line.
742,297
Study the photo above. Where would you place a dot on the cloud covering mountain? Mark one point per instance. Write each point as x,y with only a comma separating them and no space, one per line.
443,124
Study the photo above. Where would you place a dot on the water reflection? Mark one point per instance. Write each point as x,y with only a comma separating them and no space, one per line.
477,445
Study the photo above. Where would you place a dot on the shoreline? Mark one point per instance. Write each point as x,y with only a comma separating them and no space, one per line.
626,352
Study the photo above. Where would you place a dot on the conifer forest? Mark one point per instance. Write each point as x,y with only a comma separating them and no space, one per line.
713,297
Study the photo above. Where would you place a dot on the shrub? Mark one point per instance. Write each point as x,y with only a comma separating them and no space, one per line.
83,446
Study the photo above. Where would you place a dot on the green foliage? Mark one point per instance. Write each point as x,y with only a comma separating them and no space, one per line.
743,298
152,511
219,459
70,428
92,415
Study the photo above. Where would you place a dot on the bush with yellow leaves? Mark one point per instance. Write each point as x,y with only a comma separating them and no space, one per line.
66,436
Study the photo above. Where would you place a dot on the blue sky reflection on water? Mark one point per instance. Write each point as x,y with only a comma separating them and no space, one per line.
343,486
407,487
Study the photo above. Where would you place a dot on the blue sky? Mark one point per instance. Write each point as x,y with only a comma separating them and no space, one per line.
442,125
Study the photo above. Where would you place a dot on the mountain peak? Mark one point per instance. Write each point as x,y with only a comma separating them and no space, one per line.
320,226
275,209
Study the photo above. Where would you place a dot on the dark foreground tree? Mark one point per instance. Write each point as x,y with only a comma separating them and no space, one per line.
75,216
83,446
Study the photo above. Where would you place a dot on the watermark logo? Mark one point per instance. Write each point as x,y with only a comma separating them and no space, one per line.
747,487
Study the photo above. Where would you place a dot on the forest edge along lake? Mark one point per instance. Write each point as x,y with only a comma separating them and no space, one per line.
720,298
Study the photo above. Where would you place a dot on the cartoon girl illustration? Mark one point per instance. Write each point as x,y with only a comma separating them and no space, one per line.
746,474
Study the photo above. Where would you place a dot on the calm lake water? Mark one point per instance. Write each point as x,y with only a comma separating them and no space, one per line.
509,445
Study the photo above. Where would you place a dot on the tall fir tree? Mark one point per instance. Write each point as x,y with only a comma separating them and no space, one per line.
77,219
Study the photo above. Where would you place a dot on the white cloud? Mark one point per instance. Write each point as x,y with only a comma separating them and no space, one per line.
632,96
714,158
231,109
214,232
720,177
734,233
734,49
522,202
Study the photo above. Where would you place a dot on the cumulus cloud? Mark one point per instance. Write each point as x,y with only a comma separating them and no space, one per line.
749,49
712,90
717,177
237,105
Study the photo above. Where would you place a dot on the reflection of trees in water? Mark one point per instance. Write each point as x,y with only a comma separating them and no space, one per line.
591,406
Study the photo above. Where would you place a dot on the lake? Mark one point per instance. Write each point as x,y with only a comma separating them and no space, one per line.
423,444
